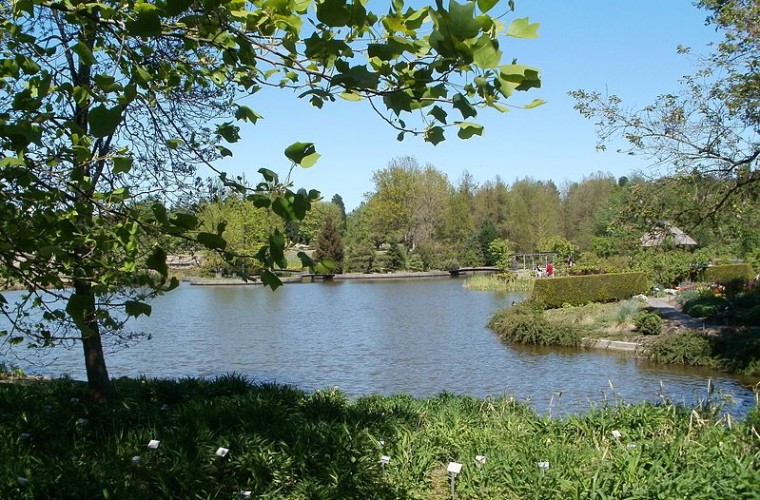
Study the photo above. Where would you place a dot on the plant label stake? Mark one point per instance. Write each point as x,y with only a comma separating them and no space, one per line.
244,495
222,452
480,461
544,466
136,460
153,444
384,460
454,468
616,434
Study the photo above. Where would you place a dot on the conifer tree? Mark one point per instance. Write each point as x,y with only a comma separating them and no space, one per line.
330,245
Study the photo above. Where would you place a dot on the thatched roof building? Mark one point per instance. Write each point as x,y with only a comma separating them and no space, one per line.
665,233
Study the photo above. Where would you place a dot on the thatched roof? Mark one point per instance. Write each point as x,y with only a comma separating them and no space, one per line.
664,232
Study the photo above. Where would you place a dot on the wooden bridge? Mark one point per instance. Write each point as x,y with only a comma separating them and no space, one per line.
465,270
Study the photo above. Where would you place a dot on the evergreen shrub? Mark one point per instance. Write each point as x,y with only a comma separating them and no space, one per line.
525,324
728,272
579,290
648,323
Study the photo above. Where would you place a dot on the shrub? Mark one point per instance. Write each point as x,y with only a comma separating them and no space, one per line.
703,307
648,323
526,324
578,290
728,272
690,348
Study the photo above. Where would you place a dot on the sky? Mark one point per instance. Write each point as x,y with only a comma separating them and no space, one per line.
621,47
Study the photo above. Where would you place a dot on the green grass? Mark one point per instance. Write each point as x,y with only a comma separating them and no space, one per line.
288,444
500,283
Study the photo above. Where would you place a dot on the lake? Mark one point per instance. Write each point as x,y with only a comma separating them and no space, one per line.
419,337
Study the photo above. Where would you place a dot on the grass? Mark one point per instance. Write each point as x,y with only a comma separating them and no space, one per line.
500,283
284,443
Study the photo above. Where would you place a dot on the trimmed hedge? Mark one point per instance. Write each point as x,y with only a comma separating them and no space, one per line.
727,272
579,290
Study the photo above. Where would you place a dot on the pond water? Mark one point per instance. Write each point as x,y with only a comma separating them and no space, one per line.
419,337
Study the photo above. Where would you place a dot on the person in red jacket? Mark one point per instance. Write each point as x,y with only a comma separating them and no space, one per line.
549,269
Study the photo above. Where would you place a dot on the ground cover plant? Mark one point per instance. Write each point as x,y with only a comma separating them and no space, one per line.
736,302
285,443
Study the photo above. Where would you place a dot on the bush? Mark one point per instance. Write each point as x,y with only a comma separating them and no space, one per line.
690,348
648,323
579,290
526,324
728,272
703,307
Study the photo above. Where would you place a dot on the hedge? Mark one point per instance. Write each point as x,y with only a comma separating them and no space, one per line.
727,272
579,290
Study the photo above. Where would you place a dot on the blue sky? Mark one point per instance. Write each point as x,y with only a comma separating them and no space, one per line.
622,47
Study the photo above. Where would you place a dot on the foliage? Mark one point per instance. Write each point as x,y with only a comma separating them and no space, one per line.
559,246
703,307
648,323
689,348
285,443
734,352
679,129
415,263
396,260
667,268
728,272
525,324
577,290
502,282
360,258
486,235
501,252
329,247
110,104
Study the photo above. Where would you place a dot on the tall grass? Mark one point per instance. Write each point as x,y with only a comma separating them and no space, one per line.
500,283
284,443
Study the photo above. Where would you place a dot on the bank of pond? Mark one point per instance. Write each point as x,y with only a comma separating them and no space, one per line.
228,438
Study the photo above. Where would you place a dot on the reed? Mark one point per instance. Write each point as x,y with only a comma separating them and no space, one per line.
285,443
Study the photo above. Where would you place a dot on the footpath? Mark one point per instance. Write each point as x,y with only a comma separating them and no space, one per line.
668,310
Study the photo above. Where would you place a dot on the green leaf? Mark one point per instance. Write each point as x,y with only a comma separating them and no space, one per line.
185,221
439,114
270,279
247,114
398,101
211,241
461,103
535,103
302,153
434,135
78,308
157,262
467,130
121,164
84,53
521,28
350,96
145,25
334,13
104,121
486,5
176,7
463,24
229,131
135,309
487,54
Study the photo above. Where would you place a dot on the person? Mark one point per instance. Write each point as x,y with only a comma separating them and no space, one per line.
549,269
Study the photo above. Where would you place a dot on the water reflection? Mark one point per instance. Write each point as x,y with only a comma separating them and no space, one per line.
416,337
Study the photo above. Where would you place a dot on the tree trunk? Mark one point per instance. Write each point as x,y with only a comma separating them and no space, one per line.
98,381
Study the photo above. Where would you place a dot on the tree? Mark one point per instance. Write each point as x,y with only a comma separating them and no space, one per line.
330,246
107,103
312,225
580,204
337,200
709,129
500,250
